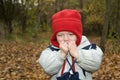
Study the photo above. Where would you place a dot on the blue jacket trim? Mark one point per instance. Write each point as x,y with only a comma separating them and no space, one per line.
52,48
91,46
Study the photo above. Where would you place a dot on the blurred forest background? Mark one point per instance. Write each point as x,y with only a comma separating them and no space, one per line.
25,30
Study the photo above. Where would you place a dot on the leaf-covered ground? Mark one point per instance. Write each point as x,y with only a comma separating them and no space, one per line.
18,61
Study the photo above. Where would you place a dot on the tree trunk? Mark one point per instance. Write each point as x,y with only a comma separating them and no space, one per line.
10,27
81,7
2,31
118,19
105,28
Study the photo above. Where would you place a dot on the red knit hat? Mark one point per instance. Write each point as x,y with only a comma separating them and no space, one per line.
66,20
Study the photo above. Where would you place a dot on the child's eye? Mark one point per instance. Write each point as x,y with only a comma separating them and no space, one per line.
71,34
59,35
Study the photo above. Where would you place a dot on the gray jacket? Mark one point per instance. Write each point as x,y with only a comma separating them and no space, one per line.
90,57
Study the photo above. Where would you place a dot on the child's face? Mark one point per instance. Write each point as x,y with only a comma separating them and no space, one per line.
65,36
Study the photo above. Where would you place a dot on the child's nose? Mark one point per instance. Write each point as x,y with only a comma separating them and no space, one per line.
66,38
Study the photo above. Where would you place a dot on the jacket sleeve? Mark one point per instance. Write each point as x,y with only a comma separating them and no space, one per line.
51,61
89,59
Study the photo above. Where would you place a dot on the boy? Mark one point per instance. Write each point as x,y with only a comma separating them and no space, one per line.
70,56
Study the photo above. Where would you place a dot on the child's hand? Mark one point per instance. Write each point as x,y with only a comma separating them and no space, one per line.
64,48
73,49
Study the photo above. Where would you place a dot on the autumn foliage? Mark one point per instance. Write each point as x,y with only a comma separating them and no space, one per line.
18,61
